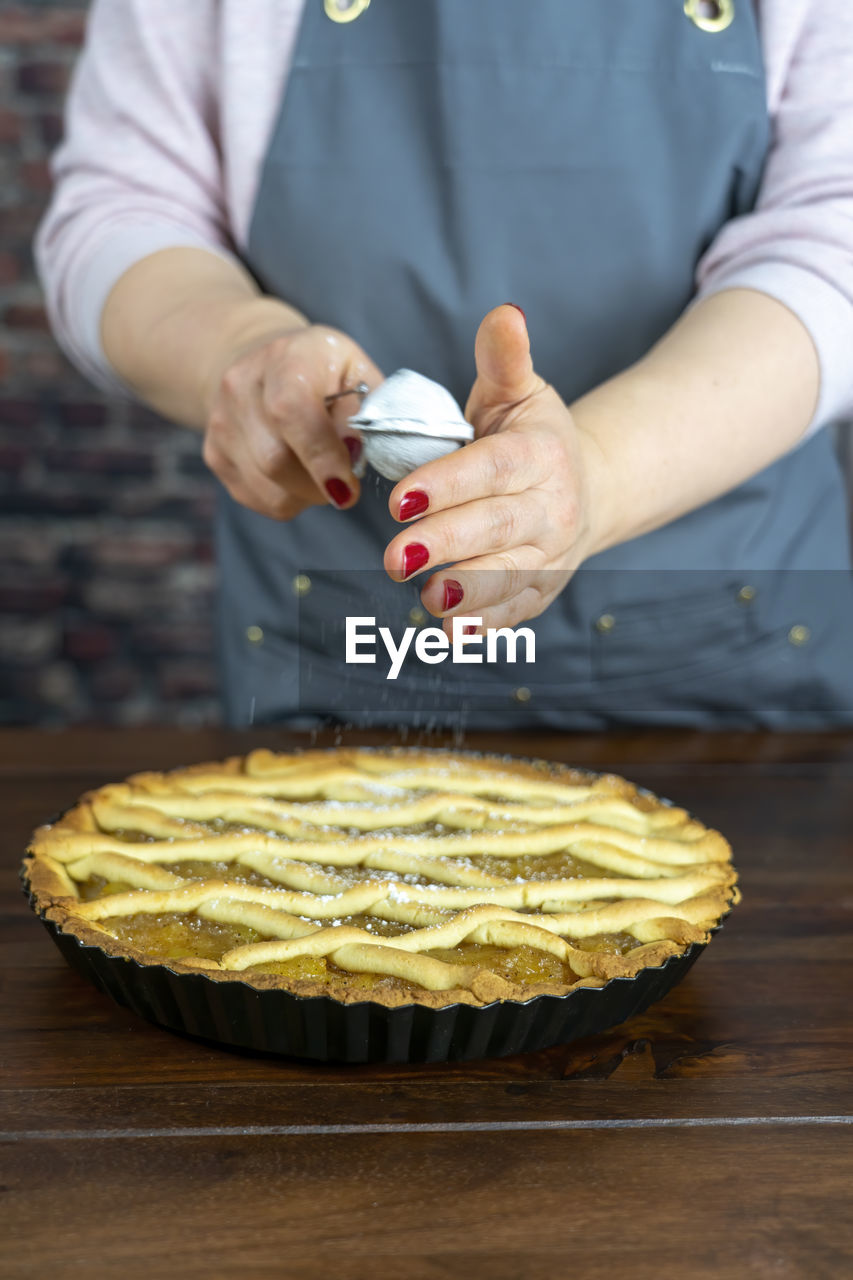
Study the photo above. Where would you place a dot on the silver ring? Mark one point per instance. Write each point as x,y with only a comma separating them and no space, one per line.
360,389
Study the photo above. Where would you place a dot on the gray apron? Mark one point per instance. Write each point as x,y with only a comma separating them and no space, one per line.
434,158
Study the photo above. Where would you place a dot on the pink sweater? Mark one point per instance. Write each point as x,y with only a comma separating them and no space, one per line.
172,106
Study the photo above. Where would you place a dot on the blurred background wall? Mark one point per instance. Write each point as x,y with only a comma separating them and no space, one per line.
106,573
106,569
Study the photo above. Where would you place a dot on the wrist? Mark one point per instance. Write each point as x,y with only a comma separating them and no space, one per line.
600,524
245,325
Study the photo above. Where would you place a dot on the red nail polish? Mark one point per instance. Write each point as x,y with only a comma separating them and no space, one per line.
453,593
355,447
415,556
339,492
518,308
470,630
413,503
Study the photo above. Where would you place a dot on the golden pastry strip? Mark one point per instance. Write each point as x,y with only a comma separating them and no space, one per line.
62,882
119,867
374,777
476,925
303,876
550,896
635,916
278,924
412,965
116,807
431,773
294,875
616,851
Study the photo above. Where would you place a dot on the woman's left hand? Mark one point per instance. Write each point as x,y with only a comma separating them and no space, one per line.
512,513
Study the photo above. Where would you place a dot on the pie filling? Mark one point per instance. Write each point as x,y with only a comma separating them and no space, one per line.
420,875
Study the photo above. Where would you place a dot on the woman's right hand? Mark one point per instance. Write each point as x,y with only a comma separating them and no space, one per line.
272,439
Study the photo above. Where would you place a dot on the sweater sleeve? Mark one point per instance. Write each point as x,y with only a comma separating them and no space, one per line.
797,244
140,168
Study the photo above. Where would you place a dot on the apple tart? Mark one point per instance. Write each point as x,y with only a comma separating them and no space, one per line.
392,876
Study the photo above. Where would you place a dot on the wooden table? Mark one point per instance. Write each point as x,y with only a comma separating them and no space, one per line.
709,1137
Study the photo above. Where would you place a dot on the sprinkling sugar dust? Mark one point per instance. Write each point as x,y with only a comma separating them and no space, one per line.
416,733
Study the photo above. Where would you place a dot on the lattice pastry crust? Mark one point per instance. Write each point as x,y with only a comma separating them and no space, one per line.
398,876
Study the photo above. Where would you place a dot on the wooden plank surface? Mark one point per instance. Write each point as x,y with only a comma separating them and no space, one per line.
732,1202
742,1078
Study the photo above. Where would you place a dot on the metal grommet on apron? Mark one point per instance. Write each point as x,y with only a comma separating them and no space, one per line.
489,150
710,15
345,10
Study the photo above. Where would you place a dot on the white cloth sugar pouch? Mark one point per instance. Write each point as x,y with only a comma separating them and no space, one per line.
407,421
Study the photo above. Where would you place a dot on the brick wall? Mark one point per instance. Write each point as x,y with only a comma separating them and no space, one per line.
106,574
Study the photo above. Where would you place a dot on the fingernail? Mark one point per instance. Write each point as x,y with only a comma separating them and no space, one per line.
453,594
415,556
355,447
339,492
413,503
470,630
518,308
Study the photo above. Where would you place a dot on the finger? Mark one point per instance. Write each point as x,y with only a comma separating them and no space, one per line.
503,464
359,371
255,491
471,591
252,489
474,529
349,367
530,602
249,485
293,396
505,373
273,458
350,435
276,458
296,415
486,582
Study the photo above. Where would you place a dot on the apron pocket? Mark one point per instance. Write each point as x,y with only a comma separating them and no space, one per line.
659,640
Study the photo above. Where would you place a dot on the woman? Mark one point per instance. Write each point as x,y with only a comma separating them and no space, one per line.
259,208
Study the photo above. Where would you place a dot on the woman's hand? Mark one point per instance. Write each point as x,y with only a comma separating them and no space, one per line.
271,438
511,513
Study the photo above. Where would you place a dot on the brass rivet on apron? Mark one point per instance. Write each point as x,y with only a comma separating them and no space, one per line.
710,15
522,695
301,584
799,635
344,10
605,623
746,595
417,616
255,635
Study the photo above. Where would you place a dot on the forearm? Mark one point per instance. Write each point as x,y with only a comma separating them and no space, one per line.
729,389
175,321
